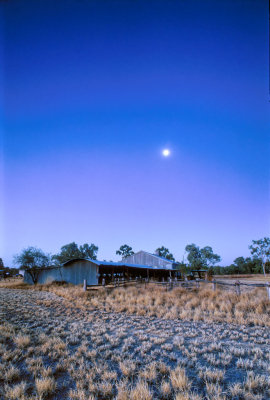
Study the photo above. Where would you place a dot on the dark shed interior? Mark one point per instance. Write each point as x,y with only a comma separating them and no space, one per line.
112,272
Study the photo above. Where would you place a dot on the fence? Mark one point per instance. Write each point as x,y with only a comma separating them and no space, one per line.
238,284
173,283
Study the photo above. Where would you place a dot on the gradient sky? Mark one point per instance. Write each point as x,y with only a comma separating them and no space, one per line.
94,90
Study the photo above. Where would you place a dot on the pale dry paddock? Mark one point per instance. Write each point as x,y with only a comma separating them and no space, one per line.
245,277
204,304
62,343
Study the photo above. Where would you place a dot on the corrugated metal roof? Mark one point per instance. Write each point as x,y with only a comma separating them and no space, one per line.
150,254
115,264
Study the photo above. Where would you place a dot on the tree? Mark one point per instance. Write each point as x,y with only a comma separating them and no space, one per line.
88,251
1,263
32,260
165,253
204,257
260,249
71,251
125,251
194,256
209,258
240,265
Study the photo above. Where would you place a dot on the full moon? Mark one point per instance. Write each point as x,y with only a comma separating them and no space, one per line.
166,152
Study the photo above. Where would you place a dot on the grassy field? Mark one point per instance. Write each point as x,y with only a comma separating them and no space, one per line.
58,342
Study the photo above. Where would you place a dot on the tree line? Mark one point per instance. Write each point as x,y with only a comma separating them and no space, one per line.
32,258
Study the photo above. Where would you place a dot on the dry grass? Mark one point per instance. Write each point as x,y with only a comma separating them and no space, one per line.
62,343
203,305
13,283
22,341
45,387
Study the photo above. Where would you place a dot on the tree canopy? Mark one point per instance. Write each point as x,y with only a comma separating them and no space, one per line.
125,251
72,250
32,260
165,253
209,258
204,257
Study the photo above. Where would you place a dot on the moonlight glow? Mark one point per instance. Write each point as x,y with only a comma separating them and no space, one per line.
166,152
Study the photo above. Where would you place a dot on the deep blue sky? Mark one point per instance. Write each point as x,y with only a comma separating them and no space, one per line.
94,90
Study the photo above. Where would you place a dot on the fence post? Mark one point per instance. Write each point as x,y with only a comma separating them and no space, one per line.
214,285
237,288
268,289
84,285
197,283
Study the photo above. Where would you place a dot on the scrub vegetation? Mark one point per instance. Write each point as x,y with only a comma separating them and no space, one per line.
58,342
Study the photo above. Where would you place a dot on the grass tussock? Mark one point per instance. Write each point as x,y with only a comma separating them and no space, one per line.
45,387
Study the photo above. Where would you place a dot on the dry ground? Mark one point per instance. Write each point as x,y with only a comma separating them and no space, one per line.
62,343
257,278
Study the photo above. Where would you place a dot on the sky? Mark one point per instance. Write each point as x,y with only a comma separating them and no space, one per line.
94,90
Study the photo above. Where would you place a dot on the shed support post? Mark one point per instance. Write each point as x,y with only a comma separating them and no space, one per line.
103,282
214,284
268,290
84,285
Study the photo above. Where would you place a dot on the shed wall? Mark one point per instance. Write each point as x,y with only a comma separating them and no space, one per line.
77,271
74,273
45,276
